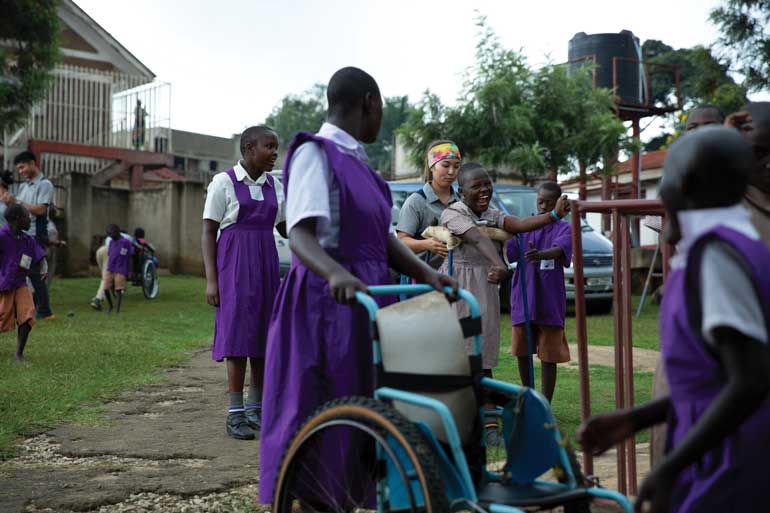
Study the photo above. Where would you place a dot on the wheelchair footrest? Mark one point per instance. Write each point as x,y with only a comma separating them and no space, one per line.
533,494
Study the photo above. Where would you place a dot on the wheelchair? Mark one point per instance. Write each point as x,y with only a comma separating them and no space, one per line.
418,445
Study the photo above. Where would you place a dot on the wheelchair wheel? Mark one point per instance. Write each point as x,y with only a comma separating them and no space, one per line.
149,280
352,451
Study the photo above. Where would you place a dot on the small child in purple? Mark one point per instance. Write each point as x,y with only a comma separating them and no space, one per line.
714,325
548,250
18,251
118,266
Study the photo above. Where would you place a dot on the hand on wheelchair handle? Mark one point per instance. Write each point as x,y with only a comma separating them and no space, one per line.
441,282
343,287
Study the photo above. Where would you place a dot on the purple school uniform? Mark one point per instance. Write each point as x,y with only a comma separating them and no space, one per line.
119,256
17,254
732,477
546,296
318,350
247,271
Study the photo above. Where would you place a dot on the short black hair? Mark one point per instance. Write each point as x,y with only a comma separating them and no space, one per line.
24,156
112,227
551,187
139,232
468,168
347,87
714,165
15,212
6,179
252,134
706,106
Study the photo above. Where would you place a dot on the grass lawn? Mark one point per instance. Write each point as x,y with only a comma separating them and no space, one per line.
86,356
566,401
600,327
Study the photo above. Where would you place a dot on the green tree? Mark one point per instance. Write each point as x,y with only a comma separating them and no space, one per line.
304,112
703,79
533,121
745,39
307,112
395,112
29,30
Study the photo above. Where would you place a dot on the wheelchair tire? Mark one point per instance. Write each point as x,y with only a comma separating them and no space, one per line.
149,280
584,505
375,424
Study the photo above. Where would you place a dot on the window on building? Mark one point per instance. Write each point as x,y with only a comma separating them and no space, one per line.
179,163
213,166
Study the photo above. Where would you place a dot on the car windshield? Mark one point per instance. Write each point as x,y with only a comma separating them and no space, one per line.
519,203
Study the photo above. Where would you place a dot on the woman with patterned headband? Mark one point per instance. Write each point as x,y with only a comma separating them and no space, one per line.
424,207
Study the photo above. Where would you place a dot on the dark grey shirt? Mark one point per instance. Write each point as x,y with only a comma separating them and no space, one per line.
419,213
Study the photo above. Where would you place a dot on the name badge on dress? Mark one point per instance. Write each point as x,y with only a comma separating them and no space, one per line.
256,192
123,252
26,262
547,265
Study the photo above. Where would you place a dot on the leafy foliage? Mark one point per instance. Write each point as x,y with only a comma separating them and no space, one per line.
29,30
307,112
745,39
304,112
703,79
533,121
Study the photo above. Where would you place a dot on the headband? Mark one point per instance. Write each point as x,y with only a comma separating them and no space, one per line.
441,152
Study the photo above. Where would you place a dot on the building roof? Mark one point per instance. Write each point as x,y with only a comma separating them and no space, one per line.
650,160
165,173
99,45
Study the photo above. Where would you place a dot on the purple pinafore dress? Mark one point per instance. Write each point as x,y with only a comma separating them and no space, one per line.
247,268
732,477
317,349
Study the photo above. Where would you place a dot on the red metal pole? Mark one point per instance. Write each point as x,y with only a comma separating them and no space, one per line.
617,306
628,352
635,164
580,325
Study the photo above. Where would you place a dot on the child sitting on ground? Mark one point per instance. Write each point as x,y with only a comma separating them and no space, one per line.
18,251
714,324
548,250
118,264
478,264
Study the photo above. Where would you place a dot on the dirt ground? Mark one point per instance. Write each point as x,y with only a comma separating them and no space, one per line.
161,448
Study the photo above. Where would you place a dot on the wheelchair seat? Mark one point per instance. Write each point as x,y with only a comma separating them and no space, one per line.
423,351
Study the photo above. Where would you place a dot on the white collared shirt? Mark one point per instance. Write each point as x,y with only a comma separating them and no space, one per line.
222,205
313,189
726,290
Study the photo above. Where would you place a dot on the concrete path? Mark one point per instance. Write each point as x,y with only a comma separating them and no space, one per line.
163,448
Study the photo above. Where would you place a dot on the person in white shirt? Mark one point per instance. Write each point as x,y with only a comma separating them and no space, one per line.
243,205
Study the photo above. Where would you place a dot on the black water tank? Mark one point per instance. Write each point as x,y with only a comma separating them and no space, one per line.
605,47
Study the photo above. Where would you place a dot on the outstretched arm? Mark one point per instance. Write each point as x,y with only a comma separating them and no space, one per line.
516,225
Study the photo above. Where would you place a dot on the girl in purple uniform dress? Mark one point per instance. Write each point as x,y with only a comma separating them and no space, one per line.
714,325
243,205
319,346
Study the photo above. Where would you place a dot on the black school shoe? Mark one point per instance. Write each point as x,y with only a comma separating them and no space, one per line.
238,426
254,418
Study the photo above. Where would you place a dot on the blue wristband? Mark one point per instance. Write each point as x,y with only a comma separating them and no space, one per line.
555,215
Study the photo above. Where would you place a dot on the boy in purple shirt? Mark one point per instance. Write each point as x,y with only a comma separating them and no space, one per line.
714,325
548,250
18,251
118,266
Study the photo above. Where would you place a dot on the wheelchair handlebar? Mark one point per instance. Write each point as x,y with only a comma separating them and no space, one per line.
411,290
